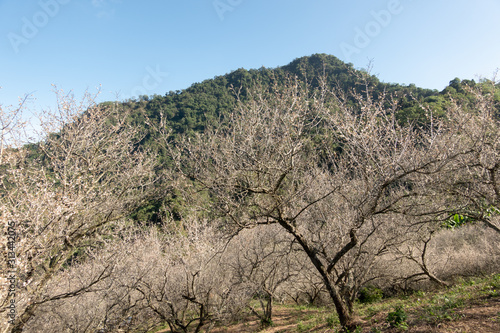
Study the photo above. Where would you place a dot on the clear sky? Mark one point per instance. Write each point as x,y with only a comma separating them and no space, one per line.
131,47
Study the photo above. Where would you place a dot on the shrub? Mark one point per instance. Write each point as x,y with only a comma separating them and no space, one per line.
370,294
332,321
397,318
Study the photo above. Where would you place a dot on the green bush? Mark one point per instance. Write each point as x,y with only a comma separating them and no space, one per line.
397,318
370,294
332,321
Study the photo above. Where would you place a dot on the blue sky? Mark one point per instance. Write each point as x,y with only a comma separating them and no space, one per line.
130,48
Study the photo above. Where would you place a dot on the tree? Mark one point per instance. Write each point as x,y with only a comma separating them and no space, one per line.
345,180
11,127
174,274
474,180
64,195
185,280
266,263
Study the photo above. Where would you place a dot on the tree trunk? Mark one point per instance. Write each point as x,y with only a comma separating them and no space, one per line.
345,315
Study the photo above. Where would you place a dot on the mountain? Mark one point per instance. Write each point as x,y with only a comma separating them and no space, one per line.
191,109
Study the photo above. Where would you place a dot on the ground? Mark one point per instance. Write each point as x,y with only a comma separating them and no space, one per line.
471,305
477,318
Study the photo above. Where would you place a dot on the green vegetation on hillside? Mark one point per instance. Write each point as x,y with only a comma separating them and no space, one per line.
312,184
206,103
191,109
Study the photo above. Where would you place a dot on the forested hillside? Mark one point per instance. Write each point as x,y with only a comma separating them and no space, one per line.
191,109
312,184
206,103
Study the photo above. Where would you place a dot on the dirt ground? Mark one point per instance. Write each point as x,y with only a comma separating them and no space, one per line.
483,317
476,318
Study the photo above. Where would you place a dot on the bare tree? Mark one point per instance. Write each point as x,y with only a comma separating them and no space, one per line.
63,194
11,127
475,178
338,173
417,253
292,173
182,277
264,259
307,287
106,305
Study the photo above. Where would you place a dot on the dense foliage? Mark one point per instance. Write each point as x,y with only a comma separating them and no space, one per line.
191,109
203,104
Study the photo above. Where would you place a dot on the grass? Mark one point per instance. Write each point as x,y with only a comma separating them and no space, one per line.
461,305
433,308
